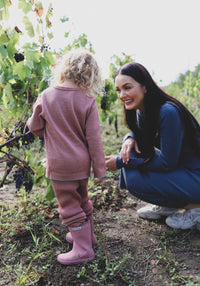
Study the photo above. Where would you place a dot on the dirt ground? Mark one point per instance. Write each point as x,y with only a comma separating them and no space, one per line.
158,255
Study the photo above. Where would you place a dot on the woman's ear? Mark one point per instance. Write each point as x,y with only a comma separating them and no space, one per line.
144,89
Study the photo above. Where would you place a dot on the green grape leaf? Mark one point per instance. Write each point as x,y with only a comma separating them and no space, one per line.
38,29
49,60
3,51
32,57
21,70
66,34
49,190
2,77
39,5
25,6
4,15
28,27
64,19
4,5
5,101
41,39
12,81
1,4
11,51
50,35
3,39
7,95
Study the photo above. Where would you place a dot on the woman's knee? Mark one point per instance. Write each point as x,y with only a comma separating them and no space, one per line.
135,180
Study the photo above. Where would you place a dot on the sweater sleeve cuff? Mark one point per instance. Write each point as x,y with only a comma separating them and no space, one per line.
119,162
130,134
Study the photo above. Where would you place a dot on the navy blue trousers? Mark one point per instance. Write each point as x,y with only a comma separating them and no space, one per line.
174,189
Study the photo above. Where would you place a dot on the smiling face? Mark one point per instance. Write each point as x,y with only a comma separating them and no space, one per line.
130,92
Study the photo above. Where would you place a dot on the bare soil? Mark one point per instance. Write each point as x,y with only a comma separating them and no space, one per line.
159,255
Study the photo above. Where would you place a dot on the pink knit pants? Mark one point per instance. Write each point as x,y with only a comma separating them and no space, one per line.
73,200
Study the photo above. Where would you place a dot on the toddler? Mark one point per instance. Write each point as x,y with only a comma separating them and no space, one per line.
65,114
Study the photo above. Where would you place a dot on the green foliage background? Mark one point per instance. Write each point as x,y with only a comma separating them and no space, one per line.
187,90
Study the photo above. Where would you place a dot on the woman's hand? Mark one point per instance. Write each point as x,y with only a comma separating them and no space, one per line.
111,162
127,146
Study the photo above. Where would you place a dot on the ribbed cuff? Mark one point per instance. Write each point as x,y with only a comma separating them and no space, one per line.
119,163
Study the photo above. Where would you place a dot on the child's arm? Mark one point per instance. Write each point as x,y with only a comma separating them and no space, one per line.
36,122
95,146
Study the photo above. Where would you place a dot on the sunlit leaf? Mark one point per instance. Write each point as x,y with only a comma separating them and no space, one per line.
66,34
12,81
64,19
21,70
39,5
11,50
38,29
13,40
49,11
5,100
3,51
50,35
25,6
4,39
2,77
32,57
39,12
41,39
28,27
8,91
1,4
4,4
48,23
7,95
4,15
49,58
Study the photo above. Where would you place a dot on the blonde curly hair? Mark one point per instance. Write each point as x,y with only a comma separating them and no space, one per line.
80,67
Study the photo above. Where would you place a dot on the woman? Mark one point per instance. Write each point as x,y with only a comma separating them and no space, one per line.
160,158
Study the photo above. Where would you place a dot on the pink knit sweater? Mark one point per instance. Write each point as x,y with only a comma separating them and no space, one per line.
68,120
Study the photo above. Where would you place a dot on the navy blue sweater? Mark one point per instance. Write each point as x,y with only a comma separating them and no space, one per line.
175,150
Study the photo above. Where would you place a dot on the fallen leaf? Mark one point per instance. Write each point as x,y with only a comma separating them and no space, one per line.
153,262
155,270
55,231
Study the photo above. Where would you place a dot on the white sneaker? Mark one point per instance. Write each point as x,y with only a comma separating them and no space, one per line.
155,212
185,219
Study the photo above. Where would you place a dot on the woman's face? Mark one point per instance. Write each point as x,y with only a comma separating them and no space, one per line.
130,92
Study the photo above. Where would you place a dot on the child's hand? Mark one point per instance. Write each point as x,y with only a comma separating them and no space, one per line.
111,162
98,181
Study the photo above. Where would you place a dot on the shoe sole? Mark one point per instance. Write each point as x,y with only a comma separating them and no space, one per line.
79,261
154,215
183,228
145,216
179,227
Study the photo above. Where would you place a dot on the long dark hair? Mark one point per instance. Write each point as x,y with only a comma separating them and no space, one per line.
154,98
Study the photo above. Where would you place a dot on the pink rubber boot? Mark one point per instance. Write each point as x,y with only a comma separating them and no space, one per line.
94,240
82,246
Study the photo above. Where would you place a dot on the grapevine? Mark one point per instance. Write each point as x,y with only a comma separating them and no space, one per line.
20,136
24,74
